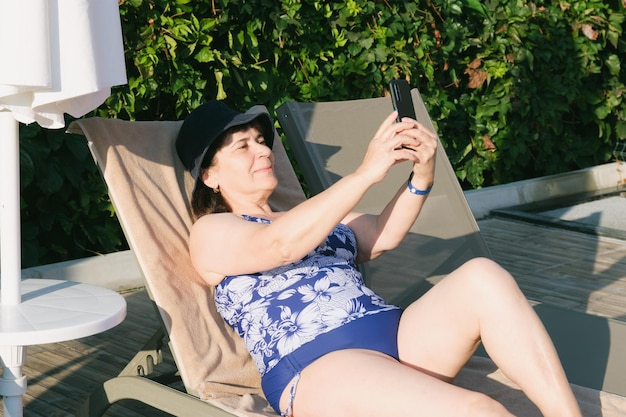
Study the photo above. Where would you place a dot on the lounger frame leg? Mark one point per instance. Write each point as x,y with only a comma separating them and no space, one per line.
151,355
134,383
150,393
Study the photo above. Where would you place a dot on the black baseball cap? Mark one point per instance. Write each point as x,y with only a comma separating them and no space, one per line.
207,122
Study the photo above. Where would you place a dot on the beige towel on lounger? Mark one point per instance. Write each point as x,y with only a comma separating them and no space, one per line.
150,191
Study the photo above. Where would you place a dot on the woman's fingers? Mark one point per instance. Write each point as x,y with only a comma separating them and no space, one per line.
420,147
395,142
416,136
389,121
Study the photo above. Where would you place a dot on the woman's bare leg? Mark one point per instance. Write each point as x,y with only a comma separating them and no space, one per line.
361,383
480,301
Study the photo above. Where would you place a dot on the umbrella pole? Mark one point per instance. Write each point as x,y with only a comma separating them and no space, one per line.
10,243
12,382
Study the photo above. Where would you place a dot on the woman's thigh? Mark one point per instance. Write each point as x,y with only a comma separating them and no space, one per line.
366,383
439,332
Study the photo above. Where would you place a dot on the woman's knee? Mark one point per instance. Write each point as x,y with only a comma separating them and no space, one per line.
484,279
483,266
486,272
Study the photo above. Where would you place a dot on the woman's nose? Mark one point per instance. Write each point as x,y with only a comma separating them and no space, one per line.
263,149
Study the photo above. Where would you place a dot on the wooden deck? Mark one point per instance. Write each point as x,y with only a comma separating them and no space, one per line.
573,270
553,266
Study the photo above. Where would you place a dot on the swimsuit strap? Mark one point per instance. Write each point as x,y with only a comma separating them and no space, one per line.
292,395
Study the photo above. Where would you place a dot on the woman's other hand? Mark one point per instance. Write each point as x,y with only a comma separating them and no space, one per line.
423,153
395,142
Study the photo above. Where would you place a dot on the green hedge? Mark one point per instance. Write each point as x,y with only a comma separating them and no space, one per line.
516,89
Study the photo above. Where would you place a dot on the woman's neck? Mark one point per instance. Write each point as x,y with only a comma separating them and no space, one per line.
257,210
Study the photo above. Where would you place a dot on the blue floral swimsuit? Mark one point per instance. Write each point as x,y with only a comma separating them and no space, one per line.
292,315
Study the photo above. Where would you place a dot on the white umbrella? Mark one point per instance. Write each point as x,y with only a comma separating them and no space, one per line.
57,56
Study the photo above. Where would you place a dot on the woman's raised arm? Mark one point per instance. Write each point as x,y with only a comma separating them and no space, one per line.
377,234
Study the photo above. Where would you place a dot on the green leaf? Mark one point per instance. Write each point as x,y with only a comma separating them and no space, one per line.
613,63
477,6
205,54
221,94
27,167
620,129
53,179
602,112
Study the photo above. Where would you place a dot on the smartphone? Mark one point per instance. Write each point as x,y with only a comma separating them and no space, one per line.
401,99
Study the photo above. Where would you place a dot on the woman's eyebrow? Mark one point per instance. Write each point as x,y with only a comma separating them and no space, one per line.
246,138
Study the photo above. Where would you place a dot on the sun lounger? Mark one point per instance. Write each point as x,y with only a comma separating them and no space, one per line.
150,191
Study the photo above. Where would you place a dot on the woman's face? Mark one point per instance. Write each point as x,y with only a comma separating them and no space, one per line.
243,165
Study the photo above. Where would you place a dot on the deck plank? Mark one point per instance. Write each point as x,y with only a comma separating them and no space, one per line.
572,270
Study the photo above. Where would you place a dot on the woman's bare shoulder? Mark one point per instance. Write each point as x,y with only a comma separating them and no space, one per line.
211,225
213,217
206,244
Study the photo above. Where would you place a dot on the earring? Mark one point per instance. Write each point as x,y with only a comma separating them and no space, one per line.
216,190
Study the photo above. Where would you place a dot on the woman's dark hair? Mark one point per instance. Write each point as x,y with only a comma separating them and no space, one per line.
203,199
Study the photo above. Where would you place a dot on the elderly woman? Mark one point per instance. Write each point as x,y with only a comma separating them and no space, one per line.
287,282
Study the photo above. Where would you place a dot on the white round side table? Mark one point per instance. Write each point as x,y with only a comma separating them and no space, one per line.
50,311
